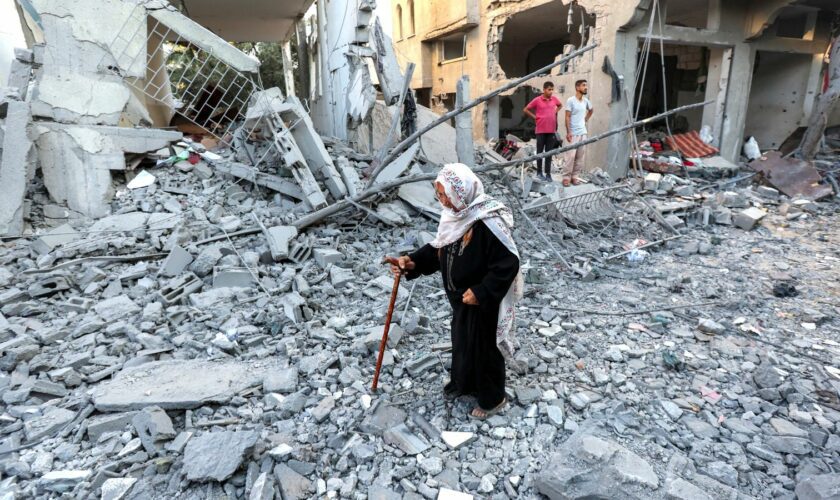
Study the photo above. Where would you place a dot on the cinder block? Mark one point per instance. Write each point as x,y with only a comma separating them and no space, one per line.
326,256
180,288
652,181
747,219
48,286
237,277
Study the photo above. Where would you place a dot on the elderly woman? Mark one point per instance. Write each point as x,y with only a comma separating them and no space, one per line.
477,257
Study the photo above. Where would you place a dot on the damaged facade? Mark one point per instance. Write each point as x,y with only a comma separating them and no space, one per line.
113,81
762,63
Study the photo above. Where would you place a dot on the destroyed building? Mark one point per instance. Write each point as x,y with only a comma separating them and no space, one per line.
761,62
192,294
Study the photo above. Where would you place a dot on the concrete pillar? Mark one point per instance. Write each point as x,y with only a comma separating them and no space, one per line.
491,118
737,101
463,124
346,90
302,49
813,88
618,145
13,168
288,68
19,77
717,86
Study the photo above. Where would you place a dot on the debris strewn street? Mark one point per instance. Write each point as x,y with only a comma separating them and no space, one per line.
194,309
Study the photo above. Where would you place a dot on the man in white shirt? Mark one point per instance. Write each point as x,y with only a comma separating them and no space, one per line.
578,112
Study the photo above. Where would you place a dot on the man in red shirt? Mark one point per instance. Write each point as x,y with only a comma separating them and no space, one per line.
543,110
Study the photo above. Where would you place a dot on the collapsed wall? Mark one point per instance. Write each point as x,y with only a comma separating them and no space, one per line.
105,74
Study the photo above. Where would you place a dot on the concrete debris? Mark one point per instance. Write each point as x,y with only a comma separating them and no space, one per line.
399,165
61,481
176,262
311,146
279,239
117,488
175,385
387,68
201,336
215,456
16,168
463,124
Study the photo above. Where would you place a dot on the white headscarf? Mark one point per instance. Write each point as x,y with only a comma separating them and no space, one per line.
466,193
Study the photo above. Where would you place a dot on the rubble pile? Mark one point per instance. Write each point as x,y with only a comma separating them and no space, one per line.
199,319
154,353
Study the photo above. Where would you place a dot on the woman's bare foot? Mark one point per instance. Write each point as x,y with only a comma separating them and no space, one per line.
482,414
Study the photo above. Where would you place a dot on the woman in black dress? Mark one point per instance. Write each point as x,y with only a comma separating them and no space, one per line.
477,257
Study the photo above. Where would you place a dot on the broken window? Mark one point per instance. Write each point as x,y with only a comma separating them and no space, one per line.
399,23
506,107
410,17
533,38
511,118
687,13
795,22
453,47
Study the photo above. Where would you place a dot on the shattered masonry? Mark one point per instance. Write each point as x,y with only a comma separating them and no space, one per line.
191,293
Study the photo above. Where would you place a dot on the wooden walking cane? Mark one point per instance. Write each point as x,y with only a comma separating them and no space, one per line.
393,261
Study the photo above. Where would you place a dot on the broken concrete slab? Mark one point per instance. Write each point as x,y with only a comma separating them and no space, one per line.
176,262
61,481
293,486
349,176
77,160
215,456
48,422
15,168
252,174
399,165
177,384
20,73
111,139
102,424
438,143
116,488
590,466
61,235
281,380
339,277
279,238
387,67
116,308
153,425
421,196
401,437
68,175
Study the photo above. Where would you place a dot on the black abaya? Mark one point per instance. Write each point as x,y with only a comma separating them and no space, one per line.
487,267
